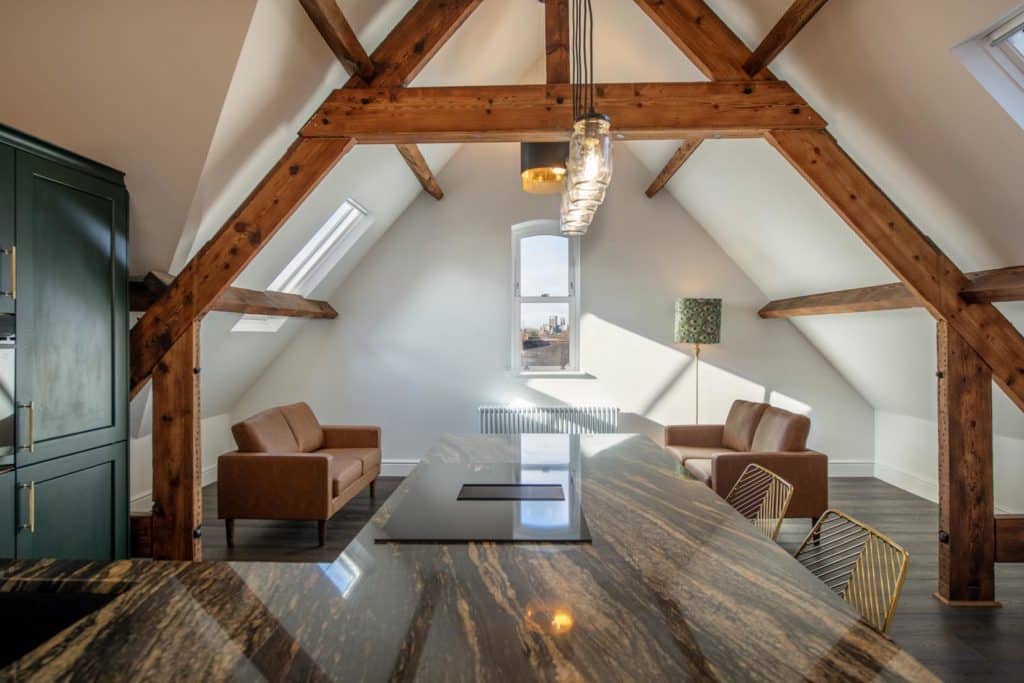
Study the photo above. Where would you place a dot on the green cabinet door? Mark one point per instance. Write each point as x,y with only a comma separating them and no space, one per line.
6,228
7,514
72,326
74,507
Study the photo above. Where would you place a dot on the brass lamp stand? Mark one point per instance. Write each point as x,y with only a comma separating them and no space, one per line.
698,321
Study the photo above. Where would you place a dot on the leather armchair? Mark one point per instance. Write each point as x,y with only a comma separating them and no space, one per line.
755,433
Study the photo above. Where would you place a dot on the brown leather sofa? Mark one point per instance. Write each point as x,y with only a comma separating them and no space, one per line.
757,433
289,466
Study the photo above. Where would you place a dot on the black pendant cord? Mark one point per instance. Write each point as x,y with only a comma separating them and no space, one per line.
582,57
590,58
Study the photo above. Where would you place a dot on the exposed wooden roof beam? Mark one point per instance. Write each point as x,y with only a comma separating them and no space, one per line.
911,256
144,293
1000,284
198,286
674,164
704,38
414,158
914,258
795,18
342,40
556,40
402,54
860,300
254,302
513,113
339,36
984,286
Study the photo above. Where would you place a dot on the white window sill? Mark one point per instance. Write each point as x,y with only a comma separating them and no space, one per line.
553,374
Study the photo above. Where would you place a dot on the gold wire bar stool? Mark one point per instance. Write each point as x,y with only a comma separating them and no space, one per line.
858,563
763,497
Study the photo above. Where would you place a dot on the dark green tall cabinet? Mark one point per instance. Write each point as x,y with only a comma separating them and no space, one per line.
63,354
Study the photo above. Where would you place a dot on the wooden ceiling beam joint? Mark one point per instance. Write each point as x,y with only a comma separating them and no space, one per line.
787,28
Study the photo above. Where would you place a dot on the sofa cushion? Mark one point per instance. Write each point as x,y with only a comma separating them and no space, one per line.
699,469
305,427
343,470
684,453
781,430
368,458
741,424
266,432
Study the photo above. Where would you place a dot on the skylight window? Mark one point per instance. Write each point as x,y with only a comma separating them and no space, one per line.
315,260
995,57
1011,43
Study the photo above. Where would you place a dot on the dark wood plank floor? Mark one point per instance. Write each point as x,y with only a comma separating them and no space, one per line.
282,541
957,644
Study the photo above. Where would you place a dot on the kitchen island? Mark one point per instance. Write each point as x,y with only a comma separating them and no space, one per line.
675,585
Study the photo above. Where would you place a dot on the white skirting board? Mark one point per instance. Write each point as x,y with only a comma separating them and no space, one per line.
144,499
929,490
851,468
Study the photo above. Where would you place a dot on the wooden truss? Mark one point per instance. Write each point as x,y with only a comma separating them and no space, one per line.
743,99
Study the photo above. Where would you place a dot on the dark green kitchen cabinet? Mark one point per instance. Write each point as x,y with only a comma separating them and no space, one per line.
71,364
63,353
7,516
70,507
7,254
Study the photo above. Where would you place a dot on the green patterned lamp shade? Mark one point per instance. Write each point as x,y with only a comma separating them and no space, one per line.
698,321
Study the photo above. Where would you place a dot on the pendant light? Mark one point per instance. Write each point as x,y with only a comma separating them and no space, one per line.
589,168
542,166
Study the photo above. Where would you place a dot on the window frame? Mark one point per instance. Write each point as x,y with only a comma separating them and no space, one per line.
313,262
536,228
1002,51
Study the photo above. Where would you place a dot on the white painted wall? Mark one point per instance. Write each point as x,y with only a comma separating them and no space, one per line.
216,439
135,85
906,455
423,333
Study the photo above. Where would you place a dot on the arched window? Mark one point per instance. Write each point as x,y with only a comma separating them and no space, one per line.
545,298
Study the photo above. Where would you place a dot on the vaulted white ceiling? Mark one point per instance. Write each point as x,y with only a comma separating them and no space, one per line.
197,100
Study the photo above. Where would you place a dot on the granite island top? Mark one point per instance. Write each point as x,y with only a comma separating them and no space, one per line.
676,585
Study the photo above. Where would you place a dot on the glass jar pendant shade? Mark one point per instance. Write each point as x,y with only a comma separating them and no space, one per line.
590,156
542,166
589,167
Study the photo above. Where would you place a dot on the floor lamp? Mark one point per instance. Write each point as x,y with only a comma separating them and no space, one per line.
698,321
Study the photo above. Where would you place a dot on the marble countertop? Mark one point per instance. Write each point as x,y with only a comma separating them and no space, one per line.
675,585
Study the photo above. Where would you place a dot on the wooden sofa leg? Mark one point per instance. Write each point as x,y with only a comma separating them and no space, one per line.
321,528
229,527
373,489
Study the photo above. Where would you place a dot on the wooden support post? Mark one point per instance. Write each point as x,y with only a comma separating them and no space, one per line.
966,507
1009,531
177,501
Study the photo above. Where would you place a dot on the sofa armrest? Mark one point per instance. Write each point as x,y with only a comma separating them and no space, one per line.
273,486
806,470
701,436
338,436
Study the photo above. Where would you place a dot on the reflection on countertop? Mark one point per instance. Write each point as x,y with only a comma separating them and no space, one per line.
675,585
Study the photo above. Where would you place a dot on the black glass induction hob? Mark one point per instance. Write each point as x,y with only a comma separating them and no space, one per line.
501,502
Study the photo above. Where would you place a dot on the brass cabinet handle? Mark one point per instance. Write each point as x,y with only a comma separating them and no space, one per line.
14,272
31,405
31,526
